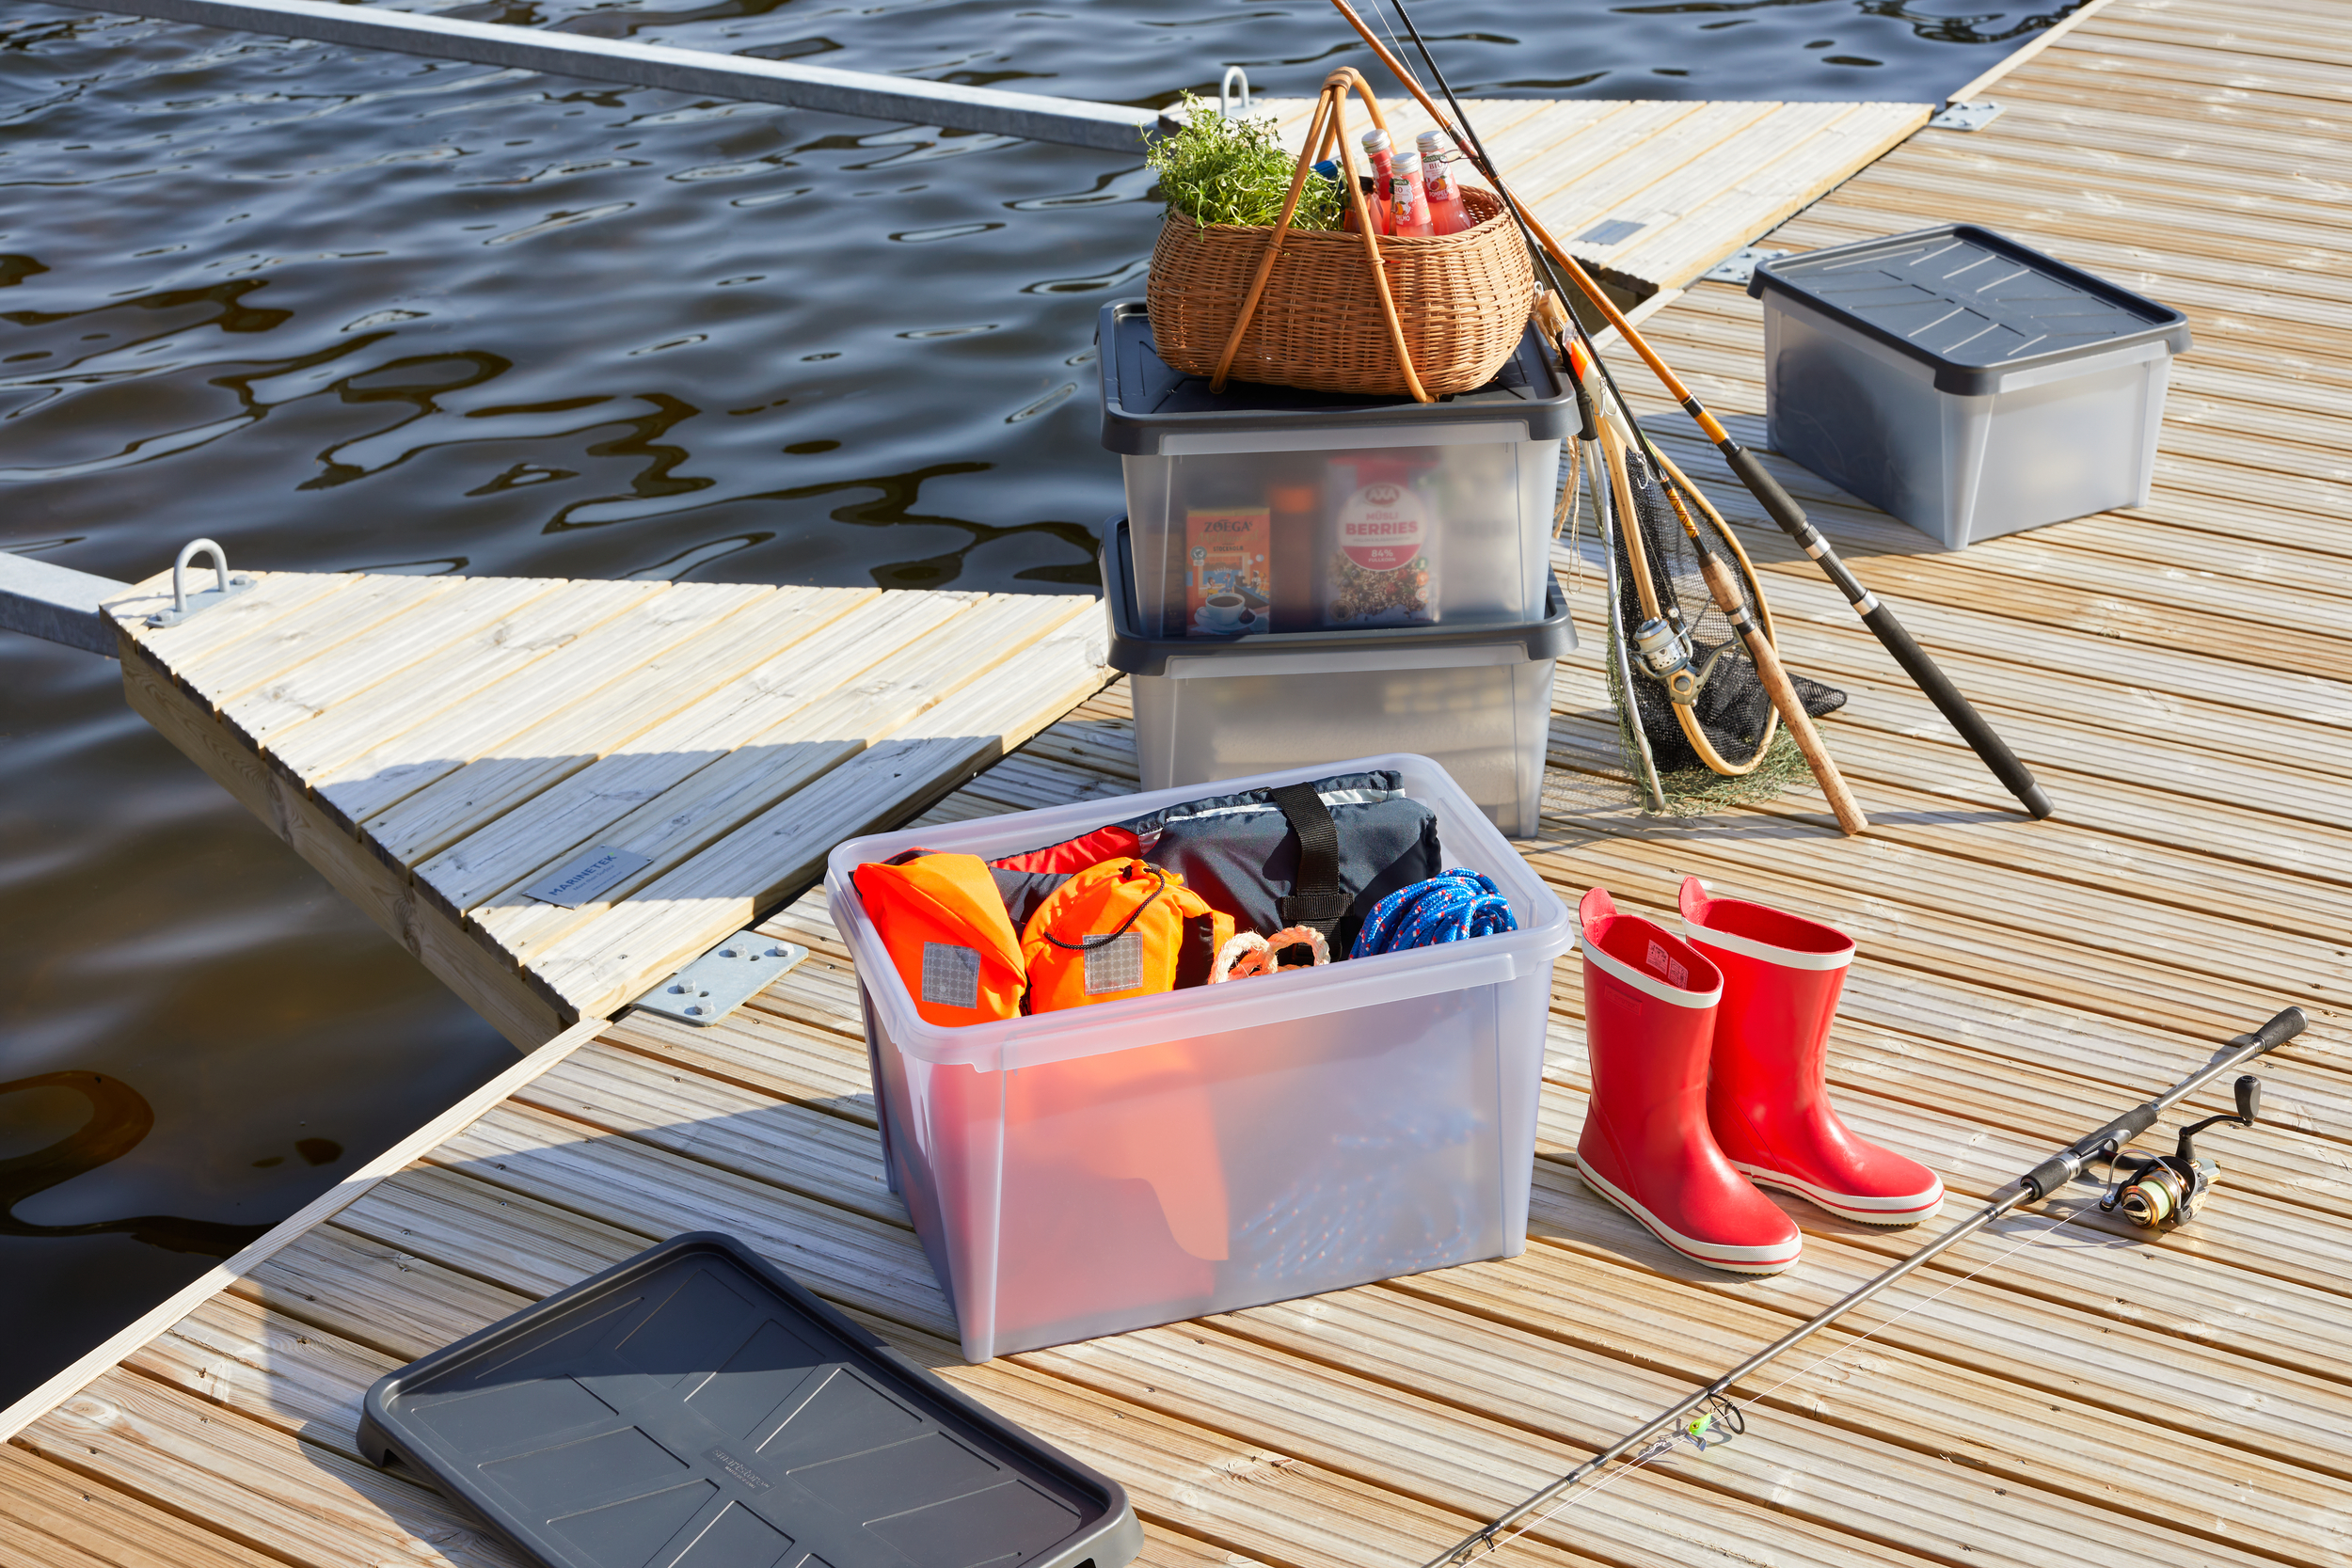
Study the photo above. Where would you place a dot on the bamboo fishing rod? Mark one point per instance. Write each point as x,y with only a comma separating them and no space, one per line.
2031,1187
1768,491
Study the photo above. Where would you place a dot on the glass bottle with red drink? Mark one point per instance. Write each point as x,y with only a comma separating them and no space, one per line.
1447,214
1408,204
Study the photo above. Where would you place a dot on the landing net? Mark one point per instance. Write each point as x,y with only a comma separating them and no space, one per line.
1732,748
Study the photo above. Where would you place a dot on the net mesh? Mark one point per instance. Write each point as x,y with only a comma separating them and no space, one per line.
1733,712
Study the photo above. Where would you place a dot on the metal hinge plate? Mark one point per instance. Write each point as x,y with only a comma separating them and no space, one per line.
723,978
1739,266
1966,117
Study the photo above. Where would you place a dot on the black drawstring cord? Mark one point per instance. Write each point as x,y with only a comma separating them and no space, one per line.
1087,944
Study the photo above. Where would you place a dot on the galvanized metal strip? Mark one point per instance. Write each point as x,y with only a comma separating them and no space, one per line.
1031,117
58,604
723,978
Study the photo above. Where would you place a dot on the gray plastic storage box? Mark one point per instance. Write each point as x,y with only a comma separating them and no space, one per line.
691,1407
1313,512
1965,382
1477,700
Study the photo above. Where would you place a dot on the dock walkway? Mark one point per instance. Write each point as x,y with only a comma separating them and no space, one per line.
438,745
2180,677
1649,195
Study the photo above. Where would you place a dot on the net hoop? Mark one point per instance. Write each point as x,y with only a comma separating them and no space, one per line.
1645,586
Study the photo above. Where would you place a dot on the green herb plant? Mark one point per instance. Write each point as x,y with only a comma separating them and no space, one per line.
1217,169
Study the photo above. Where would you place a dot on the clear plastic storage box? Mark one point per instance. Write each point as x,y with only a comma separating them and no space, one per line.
1476,699
1273,509
1967,384
1098,1169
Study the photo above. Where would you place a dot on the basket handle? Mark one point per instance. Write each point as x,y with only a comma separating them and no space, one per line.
1323,131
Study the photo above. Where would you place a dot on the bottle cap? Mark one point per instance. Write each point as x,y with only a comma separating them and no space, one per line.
1405,163
1431,142
1375,139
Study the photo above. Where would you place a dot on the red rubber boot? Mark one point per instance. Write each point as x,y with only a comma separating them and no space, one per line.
1649,1013
1766,1098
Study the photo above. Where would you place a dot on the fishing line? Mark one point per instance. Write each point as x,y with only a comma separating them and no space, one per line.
2034,1186
1777,504
1666,1445
1731,735
2031,1240
1552,274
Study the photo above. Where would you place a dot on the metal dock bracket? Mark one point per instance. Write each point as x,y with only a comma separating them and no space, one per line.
723,978
1965,117
224,586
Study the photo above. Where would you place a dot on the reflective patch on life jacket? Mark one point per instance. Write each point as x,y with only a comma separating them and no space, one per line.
951,974
1116,965
1126,928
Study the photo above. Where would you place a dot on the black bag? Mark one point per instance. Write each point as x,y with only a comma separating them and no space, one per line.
1319,854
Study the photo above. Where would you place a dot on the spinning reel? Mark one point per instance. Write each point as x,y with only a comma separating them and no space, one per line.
2157,1192
1664,656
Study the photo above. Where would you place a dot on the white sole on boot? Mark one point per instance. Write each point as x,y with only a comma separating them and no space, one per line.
1890,1212
1739,1259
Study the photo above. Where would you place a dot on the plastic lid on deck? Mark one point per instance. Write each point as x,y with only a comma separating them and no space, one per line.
1975,306
693,1408
1144,399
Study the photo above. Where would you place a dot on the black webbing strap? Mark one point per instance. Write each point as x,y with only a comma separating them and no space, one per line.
1315,898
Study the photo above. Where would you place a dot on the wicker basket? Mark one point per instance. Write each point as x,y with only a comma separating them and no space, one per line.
1461,299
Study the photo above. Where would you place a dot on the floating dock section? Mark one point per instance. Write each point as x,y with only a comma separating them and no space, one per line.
556,794
2180,677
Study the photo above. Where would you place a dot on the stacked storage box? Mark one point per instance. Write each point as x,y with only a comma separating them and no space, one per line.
1303,578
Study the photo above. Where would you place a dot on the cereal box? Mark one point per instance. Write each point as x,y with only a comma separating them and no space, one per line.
1378,570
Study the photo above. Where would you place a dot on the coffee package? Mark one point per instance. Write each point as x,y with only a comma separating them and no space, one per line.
1228,570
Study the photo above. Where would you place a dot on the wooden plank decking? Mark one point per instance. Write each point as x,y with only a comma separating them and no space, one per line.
434,745
2181,678
1650,195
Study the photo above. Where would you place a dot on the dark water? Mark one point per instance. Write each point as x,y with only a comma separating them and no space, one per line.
361,311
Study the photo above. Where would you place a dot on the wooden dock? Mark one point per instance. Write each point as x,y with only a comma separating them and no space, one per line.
1650,195
435,746
2179,676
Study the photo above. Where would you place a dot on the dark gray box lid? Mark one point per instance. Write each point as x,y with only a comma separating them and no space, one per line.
1974,305
1137,654
1143,399
691,1407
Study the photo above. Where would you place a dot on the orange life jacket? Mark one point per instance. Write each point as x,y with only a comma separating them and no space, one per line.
1124,928
948,935
1120,1121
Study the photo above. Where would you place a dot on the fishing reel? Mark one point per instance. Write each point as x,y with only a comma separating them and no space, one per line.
1664,656
2158,1192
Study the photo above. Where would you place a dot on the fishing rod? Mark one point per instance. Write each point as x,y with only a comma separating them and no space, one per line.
1768,491
2150,1200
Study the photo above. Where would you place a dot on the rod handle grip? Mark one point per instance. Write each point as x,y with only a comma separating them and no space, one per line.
1924,671
1767,490
2280,1029
2067,1164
